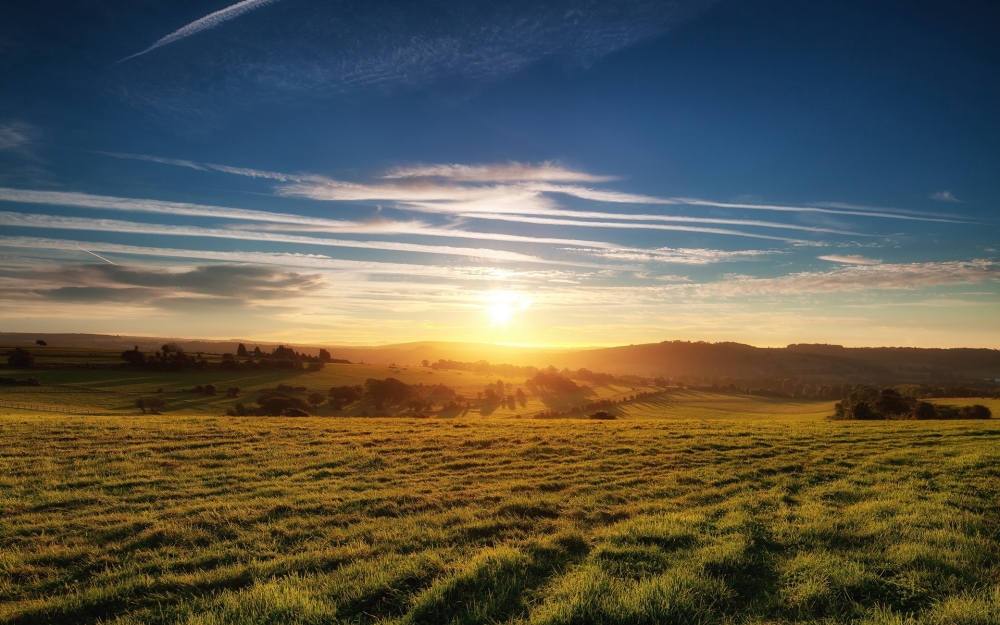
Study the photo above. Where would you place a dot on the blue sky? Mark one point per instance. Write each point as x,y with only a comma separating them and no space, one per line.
547,173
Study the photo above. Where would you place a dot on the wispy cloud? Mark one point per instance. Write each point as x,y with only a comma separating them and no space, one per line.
155,159
681,256
92,283
16,137
630,226
850,259
506,172
522,189
861,278
290,259
25,220
209,21
945,196
281,221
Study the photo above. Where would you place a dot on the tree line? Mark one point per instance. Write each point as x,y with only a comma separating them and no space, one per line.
172,357
868,403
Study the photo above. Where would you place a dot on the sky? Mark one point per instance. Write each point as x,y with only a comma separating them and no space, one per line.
553,173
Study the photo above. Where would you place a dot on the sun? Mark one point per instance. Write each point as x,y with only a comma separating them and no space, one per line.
503,305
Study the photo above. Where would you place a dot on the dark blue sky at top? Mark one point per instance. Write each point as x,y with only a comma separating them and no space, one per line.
883,102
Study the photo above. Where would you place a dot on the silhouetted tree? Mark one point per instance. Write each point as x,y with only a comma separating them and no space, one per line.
273,403
324,355
21,358
241,351
257,353
347,394
974,412
233,391
41,343
150,404
134,357
387,390
923,410
862,411
603,415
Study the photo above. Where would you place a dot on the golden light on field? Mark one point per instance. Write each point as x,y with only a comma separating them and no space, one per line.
502,306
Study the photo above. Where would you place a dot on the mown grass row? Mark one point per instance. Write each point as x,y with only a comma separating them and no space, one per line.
167,520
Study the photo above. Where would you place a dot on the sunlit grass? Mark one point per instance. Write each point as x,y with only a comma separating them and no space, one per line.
214,520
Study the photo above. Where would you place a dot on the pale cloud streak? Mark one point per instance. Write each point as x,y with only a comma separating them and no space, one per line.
506,172
286,259
681,256
15,137
26,220
850,259
631,226
945,196
861,278
522,190
209,21
281,221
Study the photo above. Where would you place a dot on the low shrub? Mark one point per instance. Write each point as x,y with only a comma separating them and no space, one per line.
150,404
603,415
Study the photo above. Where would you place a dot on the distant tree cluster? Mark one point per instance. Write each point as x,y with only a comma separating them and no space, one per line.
551,381
802,388
869,403
20,358
150,404
173,357
276,402
341,396
389,390
170,357
207,389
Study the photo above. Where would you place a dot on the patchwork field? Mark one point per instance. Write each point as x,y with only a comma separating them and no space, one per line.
114,391
689,519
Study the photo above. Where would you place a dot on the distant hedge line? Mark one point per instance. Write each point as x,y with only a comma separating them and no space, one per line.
870,404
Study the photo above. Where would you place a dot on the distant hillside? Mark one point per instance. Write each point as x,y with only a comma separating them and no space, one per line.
671,359
677,359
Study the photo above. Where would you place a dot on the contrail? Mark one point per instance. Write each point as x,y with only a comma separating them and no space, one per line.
209,21
97,255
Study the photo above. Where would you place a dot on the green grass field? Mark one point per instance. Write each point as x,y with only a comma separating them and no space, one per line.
690,519
114,391
691,507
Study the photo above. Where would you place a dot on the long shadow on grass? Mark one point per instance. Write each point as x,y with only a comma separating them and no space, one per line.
497,583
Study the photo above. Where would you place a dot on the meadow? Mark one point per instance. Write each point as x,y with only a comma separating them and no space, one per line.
174,519
113,391
689,507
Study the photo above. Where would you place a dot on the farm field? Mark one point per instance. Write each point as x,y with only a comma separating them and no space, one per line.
193,519
114,391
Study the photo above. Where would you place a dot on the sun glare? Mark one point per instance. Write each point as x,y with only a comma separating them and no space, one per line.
503,305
